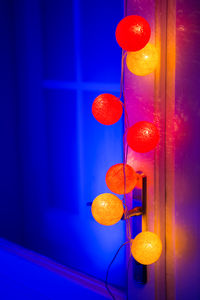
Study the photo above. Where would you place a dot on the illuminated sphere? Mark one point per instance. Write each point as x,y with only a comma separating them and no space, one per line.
146,248
107,109
115,179
133,33
142,62
142,137
107,209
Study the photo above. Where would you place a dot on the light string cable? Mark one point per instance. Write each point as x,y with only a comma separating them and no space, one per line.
126,126
125,151
125,157
125,146
107,273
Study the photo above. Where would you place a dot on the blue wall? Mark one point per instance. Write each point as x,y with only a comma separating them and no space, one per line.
11,203
65,55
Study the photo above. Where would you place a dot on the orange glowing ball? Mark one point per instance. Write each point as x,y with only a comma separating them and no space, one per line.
142,62
143,137
146,248
115,179
107,109
107,209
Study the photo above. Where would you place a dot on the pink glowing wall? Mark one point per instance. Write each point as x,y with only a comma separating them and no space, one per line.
173,170
187,150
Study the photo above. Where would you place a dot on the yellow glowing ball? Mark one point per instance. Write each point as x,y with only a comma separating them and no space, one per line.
146,248
144,61
107,209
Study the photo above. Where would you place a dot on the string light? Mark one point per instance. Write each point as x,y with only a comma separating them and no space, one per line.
133,33
146,248
107,209
107,109
142,62
142,137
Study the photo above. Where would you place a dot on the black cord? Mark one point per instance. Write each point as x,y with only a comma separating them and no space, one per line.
106,281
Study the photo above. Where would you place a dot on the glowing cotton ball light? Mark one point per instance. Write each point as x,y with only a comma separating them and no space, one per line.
107,109
146,248
107,209
142,62
115,179
133,33
142,137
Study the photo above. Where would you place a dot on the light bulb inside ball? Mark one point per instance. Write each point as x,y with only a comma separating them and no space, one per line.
133,33
107,209
144,61
143,137
146,248
107,109
115,179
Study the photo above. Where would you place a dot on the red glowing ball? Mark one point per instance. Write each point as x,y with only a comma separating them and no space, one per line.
115,179
107,109
142,137
133,33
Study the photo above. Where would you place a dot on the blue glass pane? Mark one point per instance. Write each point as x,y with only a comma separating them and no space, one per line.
100,53
62,148
58,39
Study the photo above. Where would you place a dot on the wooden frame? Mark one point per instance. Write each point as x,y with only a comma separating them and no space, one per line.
164,212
